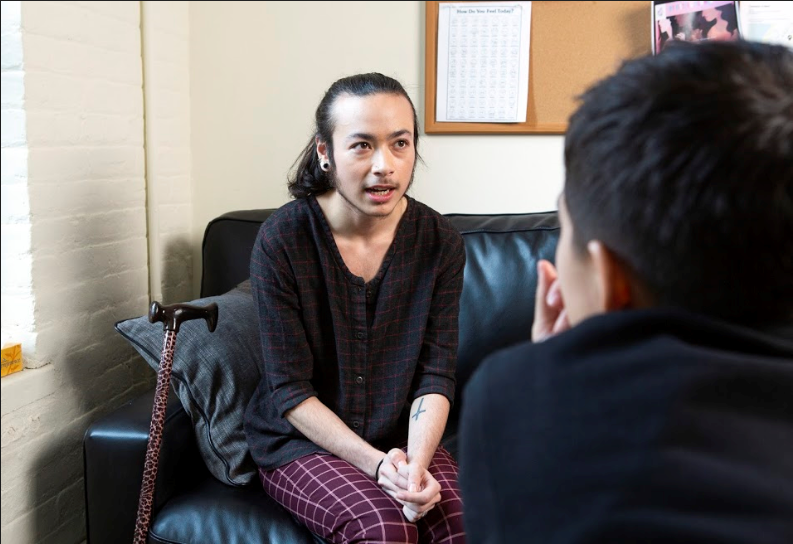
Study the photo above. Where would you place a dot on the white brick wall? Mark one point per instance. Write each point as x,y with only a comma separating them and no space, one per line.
15,258
166,62
75,253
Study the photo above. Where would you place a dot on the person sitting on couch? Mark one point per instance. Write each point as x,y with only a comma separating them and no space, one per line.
358,288
665,412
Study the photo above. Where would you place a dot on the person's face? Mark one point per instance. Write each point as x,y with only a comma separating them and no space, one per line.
373,152
577,275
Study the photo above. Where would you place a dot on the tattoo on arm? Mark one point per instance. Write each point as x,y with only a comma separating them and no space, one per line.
419,411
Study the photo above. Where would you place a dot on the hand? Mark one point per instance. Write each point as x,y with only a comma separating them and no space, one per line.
423,492
411,485
388,477
550,315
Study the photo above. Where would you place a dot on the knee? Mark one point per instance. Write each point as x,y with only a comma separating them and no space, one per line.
387,526
445,522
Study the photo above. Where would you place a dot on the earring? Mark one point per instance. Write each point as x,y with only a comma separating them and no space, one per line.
325,166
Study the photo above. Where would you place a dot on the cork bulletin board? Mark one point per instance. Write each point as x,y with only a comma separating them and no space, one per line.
573,44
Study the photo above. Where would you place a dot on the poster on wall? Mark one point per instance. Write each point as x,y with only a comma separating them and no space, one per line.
483,62
694,21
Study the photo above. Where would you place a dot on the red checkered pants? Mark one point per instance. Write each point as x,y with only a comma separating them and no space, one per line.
340,503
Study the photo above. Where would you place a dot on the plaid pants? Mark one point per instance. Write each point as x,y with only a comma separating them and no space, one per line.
340,503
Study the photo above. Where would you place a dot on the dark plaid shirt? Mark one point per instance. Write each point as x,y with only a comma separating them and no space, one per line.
366,350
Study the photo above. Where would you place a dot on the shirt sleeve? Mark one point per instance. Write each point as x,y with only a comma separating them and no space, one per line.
435,372
288,362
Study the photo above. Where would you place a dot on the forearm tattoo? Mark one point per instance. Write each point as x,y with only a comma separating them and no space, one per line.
419,411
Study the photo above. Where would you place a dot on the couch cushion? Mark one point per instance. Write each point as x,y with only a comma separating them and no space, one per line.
210,513
214,375
497,303
226,249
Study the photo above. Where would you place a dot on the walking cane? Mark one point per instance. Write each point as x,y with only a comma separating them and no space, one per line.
171,316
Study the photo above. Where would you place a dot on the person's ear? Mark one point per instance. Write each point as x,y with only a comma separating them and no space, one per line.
322,149
322,154
612,278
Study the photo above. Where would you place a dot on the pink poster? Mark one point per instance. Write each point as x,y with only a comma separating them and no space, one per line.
694,21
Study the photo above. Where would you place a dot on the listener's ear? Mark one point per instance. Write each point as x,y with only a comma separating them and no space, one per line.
612,278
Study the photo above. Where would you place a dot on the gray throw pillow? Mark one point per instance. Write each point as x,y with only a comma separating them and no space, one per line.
214,375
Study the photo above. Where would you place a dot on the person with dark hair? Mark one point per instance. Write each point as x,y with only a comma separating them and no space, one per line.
655,403
358,286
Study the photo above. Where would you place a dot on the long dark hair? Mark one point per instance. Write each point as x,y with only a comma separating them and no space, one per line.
309,178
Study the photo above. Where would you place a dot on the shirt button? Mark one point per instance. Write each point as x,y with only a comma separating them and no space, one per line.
368,293
356,424
359,335
359,380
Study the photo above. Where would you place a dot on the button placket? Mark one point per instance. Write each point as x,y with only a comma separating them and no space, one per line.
360,356
360,351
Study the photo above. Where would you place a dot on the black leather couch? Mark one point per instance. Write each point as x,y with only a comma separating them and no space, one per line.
193,507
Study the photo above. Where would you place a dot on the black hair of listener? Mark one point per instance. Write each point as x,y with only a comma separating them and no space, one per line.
682,164
309,178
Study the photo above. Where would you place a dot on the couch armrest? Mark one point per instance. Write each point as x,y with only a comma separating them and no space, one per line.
114,451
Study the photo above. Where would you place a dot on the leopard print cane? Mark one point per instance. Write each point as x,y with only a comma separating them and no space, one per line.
155,438
172,317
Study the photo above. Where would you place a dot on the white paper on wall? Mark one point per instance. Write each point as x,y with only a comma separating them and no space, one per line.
769,22
483,62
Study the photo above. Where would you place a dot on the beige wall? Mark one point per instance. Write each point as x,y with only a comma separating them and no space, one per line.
166,64
258,71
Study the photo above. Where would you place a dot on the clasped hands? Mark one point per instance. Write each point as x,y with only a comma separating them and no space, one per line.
409,483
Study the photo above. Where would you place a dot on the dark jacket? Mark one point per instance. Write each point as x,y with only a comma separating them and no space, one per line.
635,427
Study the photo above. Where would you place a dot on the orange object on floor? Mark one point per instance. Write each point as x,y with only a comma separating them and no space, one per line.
12,358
